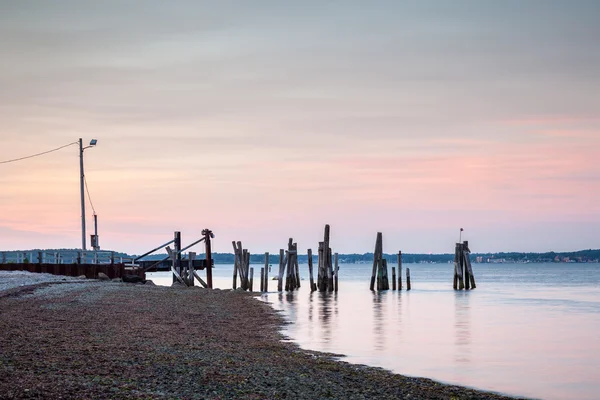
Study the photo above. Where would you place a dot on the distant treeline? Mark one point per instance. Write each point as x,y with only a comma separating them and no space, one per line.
227,258
583,256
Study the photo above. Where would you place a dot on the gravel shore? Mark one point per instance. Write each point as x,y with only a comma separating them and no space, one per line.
75,339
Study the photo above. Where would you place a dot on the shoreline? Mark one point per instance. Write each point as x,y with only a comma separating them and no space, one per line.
94,339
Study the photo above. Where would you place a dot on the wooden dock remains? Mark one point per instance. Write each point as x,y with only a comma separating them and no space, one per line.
463,271
80,267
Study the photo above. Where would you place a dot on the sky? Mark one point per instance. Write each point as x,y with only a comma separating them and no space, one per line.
264,120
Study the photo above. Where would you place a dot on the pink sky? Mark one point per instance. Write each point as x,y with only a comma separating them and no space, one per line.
268,122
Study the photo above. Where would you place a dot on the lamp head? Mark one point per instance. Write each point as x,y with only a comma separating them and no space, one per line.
93,142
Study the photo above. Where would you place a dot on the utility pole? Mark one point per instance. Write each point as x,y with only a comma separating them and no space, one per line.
81,184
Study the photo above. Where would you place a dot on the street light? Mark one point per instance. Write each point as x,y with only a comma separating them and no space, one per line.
81,184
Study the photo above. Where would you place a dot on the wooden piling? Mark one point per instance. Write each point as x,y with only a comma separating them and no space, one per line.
313,287
208,235
191,270
465,269
467,260
393,278
375,262
458,273
399,270
296,267
266,278
235,265
321,282
407,278
177,255
247,269
262,279
327,254
386,280
337,270
281,267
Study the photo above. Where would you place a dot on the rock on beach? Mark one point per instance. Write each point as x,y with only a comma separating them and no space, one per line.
73,339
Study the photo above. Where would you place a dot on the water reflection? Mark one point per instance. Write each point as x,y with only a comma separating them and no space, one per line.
328,311
462,327
379,314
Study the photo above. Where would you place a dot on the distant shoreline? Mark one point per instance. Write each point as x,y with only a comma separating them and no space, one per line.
580,256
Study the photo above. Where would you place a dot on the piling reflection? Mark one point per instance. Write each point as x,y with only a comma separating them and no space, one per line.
379,322
328,310
462,327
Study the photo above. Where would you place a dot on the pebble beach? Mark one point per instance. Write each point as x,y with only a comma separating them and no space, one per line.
72,338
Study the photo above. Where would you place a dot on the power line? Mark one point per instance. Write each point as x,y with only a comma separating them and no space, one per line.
88,193
38,154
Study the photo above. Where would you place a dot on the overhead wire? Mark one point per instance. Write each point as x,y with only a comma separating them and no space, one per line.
38,154
50,151
88,194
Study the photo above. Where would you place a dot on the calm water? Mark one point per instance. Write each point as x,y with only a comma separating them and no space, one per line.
528,329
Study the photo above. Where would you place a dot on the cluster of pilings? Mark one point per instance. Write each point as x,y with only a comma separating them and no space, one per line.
463,273
380,269
327,277
242,267
288,265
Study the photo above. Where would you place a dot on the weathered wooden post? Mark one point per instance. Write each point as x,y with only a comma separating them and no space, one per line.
262,279
469,277
327,253
407,278
247,269
399,270
289,266
376,261
177,255
282,262
321,284
208,236
393,278
235,265
251,286
296,267
313,287
337,270
244,278
463,265
266,285
384,274
191,269
458,268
